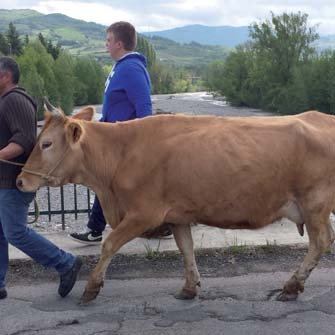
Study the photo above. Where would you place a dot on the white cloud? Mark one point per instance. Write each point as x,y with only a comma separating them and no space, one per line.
163,14
85,11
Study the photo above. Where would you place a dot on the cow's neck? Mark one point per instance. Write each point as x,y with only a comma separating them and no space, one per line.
103,147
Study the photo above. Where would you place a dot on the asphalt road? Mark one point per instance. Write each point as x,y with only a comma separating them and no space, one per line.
235,305
138,296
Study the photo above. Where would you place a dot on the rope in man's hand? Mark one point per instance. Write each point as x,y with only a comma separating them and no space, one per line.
37,211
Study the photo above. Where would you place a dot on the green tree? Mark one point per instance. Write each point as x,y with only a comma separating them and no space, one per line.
50,48
26,39
162,80
144,47
235,77
269,71
214,76
37,74
283,44
42,40
53,50
65,81
287,40
13,39
4,47
89,81
319,78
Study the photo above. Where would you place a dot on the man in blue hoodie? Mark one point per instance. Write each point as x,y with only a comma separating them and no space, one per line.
127,93
127,97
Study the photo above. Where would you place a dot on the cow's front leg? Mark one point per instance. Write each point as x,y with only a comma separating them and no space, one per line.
184,241
129,228
321,235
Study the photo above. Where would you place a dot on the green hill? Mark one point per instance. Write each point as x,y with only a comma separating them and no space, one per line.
87,38
186,54
79,37
10,15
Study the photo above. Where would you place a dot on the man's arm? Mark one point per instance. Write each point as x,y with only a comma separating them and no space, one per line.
11,151
21,120
138,90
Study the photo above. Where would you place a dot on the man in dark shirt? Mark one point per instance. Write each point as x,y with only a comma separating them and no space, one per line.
17,139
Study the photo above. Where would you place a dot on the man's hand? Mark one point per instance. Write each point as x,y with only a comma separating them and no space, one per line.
11,151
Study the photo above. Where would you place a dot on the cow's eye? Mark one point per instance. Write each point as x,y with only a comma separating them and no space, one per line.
46,145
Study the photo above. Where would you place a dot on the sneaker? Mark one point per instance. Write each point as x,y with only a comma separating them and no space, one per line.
68,279
3,293
90,237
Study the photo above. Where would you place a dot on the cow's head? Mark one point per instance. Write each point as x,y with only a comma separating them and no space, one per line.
57,153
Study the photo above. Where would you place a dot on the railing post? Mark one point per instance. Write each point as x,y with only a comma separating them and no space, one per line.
62,206
75,201
89,202
49,203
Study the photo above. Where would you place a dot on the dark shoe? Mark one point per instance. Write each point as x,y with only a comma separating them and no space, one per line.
3,293
163,231
68,279
89,238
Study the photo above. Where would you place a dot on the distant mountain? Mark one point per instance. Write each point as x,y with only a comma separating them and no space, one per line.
188,46
221,35
226,36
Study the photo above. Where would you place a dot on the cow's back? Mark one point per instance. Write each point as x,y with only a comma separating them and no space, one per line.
229,171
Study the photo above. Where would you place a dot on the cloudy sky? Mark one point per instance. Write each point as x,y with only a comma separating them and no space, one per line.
150,15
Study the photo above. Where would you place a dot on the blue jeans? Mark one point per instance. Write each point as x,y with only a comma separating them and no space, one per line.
13,229
97,220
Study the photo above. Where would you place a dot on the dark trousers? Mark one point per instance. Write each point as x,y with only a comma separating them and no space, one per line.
97,220
13,229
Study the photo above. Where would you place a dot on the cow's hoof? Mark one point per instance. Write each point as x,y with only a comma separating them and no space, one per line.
186,294
284,296
291,290
87,297
90,293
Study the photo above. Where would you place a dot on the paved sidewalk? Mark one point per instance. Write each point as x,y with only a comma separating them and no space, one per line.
280,233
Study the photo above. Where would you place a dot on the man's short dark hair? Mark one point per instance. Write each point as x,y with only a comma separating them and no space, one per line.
124,32
9,64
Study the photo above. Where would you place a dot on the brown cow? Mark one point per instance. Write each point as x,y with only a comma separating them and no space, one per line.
228,172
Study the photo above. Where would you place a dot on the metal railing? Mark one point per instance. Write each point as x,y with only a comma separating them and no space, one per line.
67,200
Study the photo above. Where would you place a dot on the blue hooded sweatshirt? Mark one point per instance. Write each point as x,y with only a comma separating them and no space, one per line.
127,90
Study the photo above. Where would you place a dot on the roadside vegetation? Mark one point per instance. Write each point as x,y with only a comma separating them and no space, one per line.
47,69
278,70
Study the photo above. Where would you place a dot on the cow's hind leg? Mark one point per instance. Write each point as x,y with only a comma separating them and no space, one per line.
321,236
184,241
129,228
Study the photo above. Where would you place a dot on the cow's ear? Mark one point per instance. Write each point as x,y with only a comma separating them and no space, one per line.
74,132
87,114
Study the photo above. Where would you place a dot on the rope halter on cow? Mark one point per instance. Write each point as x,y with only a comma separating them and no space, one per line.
48,176
45,176
10,162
